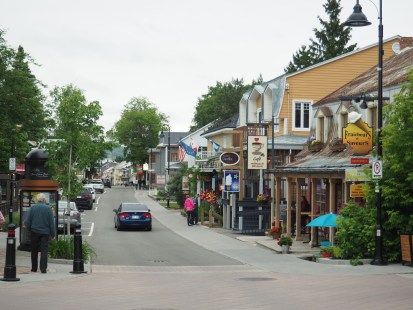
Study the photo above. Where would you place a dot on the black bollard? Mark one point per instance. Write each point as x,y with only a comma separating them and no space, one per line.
78,266
10,267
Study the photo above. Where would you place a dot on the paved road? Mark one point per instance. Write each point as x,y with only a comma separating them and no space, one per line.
264,280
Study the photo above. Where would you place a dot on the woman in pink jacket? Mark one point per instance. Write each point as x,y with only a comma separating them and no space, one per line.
189,207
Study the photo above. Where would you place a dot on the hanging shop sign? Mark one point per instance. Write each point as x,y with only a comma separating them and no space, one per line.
358,134
231,180
356,190
257,152
229,158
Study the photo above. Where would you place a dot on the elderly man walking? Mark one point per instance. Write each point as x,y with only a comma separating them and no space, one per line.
41,225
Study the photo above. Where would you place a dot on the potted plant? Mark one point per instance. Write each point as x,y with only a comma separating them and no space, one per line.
326,251
274,232
285,242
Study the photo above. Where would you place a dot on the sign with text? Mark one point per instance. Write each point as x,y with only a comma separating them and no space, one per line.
377,168
359,161
356,175
356,190
257,152
358,135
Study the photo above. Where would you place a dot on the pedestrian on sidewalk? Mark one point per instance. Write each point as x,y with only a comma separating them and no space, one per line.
2,221
41,225
195,212
189,207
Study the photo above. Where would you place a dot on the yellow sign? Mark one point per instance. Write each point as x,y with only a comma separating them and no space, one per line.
356,190
359,136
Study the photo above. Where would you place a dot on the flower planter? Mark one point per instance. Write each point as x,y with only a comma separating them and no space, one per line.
315,147
285,249
325,254
338,147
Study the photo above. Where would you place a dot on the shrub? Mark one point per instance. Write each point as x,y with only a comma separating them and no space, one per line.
63,248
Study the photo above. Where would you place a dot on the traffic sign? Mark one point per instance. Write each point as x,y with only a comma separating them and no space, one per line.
12,164
377,169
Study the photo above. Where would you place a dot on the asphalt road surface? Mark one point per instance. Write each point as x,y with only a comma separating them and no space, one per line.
159,247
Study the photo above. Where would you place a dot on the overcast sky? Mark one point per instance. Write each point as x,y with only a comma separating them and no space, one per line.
170,51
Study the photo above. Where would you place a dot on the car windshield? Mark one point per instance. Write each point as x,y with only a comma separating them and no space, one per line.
134,207
96,182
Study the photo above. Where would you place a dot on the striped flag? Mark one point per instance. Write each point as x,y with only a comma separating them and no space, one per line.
181,154
187,149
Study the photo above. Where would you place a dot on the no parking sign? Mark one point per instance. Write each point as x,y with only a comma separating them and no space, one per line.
377,169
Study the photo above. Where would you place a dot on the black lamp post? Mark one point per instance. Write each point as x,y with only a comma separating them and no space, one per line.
12,167
358,19
162,135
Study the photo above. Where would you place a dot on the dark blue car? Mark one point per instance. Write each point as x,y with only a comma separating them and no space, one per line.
133,215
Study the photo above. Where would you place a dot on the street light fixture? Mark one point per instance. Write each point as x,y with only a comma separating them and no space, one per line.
162,135
358,19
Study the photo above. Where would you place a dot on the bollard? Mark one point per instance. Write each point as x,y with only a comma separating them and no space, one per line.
78,266
10,266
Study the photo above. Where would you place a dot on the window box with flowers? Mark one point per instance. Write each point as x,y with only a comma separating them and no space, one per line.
315,145
337,145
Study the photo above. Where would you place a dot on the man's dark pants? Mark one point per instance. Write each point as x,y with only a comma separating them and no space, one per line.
39,242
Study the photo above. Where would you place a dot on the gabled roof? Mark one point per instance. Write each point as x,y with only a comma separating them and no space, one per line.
395,72
229,123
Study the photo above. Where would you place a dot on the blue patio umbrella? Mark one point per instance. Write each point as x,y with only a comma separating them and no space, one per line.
326,220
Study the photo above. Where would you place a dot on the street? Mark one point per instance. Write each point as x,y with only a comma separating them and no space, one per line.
180,267
159,247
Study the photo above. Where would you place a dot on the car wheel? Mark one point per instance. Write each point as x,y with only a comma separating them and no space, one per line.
118,228
149,228
91,207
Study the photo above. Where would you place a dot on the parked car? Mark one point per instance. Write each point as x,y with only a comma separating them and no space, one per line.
75,217
133,215
92,188
107,183
98,185
84,199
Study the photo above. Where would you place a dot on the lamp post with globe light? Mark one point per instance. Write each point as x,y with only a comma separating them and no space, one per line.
358,19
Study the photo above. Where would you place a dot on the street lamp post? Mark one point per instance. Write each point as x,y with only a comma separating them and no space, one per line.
12,168
358,19
162,135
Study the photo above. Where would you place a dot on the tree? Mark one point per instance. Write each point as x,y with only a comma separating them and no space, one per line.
78,142
139,128
21,103
220,103
397,183
331,40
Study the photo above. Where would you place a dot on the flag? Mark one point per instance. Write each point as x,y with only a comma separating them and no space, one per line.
187,149
194,146
181,154
216,145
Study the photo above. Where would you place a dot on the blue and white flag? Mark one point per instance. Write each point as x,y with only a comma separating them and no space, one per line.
215,145
187,149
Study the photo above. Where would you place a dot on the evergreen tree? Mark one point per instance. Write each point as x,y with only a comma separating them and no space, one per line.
331,40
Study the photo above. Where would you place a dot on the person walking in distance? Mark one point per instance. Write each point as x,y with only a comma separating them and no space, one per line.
195,212
41,225
189,207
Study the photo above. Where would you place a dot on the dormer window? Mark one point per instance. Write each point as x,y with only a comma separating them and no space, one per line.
301,115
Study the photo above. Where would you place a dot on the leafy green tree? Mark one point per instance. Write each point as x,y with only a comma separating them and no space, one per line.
21,103
78,142
331,40
139,129
397,183
220,103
